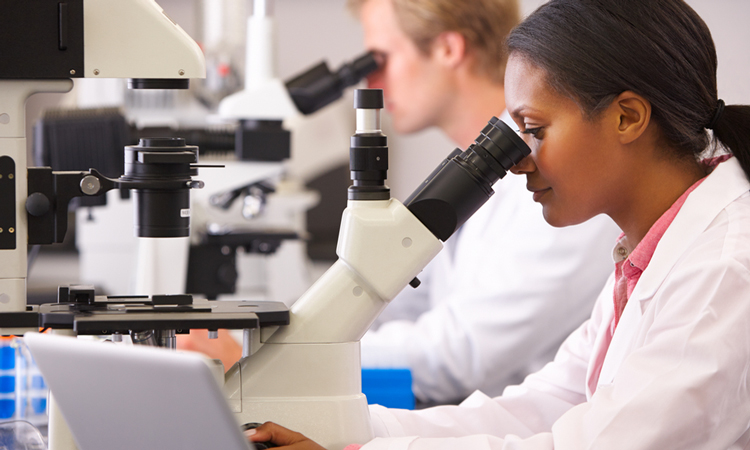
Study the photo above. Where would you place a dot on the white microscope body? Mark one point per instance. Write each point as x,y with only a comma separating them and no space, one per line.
118,43
123,39
307,375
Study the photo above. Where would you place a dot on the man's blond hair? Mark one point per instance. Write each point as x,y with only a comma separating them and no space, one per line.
484,24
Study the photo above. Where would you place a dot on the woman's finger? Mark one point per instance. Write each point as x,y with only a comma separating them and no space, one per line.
275,433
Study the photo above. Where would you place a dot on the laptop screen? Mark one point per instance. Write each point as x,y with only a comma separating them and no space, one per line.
124,397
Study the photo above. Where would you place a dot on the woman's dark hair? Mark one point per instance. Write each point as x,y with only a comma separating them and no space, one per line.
593,50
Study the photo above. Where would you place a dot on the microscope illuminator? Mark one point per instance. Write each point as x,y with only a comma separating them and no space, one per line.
46,39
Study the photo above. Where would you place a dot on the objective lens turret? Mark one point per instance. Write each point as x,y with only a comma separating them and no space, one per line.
463,182
161,168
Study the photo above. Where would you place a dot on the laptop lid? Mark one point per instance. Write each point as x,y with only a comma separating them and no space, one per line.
124,397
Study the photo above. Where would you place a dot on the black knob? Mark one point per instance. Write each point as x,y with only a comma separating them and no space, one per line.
415,282
227,274
37,204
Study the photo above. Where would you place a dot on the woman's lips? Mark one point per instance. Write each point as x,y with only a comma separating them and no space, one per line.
539,193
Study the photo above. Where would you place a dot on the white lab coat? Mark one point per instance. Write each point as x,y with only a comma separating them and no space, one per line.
499,300
675,375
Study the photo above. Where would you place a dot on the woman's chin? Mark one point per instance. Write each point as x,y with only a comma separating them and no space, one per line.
559,219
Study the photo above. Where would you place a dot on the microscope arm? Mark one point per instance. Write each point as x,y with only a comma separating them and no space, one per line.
382,247
13,192
383,244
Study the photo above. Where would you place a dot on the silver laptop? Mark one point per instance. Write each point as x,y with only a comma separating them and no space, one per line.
124,397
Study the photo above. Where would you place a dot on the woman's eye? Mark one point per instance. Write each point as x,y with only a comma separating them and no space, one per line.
537,132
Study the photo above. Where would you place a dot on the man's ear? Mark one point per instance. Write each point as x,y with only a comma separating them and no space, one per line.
634,116
449,48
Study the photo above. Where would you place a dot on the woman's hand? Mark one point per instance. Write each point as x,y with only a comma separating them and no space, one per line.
281,436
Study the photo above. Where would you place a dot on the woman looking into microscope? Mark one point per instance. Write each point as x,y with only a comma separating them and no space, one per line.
618,102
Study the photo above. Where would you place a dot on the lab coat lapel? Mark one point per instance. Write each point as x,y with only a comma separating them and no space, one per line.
723,186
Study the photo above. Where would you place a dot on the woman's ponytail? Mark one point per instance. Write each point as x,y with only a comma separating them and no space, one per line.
732,130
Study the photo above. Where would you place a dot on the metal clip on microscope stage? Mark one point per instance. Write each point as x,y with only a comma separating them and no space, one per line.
306,375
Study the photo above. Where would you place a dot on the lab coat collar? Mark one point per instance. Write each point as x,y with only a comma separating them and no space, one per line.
724,185
718,190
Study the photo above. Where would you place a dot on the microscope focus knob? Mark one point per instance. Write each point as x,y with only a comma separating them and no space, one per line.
37,204
227,274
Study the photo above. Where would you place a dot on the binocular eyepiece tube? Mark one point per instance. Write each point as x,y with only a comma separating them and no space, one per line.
454,190
463,182
319,86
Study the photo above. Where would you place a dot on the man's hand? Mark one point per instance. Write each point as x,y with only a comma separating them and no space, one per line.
224,348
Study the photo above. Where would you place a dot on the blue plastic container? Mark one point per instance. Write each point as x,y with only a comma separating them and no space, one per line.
7,379
23,392
388,387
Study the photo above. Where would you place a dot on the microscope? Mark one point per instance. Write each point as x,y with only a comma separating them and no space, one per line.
300,368
45,47
46,44
249,223
306,375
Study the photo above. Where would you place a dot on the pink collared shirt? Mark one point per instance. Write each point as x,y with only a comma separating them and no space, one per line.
629,265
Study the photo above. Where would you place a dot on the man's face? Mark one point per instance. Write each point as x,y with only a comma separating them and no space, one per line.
414,84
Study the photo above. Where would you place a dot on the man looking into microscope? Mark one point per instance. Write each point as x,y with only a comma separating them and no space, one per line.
478,321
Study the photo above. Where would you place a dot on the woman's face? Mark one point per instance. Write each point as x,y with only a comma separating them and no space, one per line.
575,169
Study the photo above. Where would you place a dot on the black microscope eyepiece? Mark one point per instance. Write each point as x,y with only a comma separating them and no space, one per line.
317,87
463,182
368,152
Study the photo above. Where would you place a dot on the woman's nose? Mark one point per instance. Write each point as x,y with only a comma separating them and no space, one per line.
525,166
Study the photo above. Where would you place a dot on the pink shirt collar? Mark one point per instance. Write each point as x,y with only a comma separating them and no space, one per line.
632,264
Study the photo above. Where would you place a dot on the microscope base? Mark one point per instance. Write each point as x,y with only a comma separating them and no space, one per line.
314,389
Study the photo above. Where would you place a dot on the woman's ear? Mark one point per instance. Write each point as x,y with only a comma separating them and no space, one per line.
634,116
449,48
